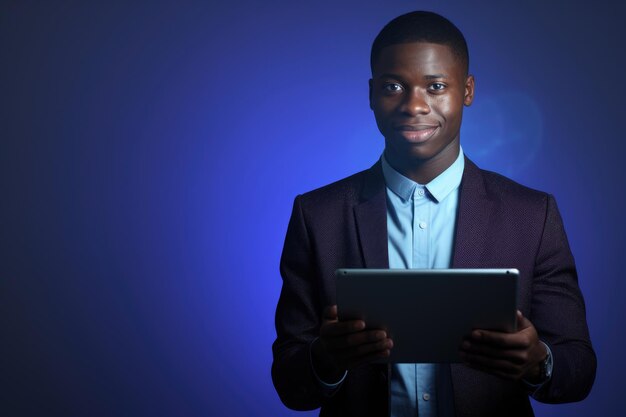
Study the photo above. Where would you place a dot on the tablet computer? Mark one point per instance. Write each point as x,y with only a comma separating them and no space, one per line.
428,311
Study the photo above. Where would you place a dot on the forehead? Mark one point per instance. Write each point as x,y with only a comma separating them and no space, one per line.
421,58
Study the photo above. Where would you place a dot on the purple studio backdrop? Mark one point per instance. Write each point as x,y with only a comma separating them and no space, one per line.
150,153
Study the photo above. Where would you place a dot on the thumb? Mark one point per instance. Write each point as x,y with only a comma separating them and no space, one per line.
330,312
522,322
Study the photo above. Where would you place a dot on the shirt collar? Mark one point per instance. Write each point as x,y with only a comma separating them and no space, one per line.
440,187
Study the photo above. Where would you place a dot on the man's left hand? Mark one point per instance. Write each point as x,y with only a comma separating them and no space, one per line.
509,355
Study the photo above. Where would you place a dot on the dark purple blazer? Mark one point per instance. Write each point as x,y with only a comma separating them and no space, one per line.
500,224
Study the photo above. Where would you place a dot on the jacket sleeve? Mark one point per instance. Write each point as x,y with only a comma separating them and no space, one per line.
558,313
297,319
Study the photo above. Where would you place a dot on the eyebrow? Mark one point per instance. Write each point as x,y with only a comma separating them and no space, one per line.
427,77
435,76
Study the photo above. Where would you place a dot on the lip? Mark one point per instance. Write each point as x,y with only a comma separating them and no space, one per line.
417,133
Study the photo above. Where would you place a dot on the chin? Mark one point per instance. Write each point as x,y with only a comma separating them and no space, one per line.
414,151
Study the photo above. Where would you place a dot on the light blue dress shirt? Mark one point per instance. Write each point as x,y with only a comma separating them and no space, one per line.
420,227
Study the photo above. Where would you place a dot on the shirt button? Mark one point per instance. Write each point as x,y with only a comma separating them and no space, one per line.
426,396
422,225
420,192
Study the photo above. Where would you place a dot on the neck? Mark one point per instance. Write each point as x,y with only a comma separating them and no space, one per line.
423,171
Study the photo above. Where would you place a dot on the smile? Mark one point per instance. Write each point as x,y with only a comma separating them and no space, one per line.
417,133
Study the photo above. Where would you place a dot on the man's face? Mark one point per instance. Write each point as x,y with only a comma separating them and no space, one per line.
417,93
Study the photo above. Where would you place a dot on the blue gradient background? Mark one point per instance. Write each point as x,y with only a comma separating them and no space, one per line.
150,153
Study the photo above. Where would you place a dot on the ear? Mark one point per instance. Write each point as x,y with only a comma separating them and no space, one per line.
371,83
468,98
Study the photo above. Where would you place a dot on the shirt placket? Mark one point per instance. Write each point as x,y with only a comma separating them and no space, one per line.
421,226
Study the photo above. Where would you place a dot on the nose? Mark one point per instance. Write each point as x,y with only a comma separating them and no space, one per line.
415,103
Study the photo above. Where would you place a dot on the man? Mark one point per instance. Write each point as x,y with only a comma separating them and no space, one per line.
425,205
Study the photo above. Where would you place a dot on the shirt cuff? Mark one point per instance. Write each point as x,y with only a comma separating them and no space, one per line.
549,365
327,387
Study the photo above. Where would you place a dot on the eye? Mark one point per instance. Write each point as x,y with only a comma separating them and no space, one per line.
392,87
437,86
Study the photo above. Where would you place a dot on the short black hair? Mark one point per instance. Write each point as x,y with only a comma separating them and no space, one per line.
421,26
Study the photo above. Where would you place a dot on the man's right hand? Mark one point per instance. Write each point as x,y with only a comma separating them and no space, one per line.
344,345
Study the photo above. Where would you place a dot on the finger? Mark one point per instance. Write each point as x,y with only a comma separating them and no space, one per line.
354,340
358,351
518,356
491,371
340,328
358,360
518,340
330,312
492,365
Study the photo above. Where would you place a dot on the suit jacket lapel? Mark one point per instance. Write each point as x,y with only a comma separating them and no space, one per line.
472,219
371,219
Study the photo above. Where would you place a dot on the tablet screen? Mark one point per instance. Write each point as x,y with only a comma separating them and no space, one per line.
428,312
